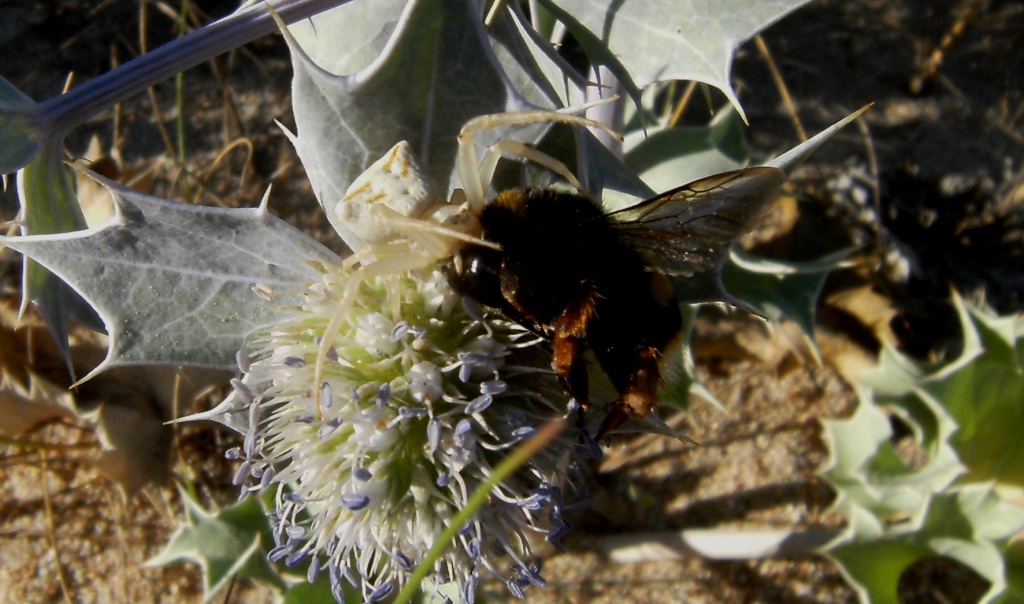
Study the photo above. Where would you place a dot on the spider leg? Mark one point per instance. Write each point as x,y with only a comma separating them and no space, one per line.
469,166
399,262
489,161
435,238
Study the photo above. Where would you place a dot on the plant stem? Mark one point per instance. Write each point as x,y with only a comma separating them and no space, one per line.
59,115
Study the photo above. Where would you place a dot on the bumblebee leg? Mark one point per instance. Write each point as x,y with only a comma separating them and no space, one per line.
570,340
629,341
638,394
567,361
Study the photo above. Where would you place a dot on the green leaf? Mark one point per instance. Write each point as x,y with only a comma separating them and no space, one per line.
49,205
318,593
175,283
983,391
776,289
19,141
1013,556
966,414
668,157
436,72
867,473
971,524
679,373
228,544
660,40
973,402
873,568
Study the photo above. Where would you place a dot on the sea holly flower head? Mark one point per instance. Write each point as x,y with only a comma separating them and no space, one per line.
422,395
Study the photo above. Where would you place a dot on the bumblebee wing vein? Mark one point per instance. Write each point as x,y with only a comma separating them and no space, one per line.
687,232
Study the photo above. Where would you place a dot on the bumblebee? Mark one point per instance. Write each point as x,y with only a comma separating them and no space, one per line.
611,282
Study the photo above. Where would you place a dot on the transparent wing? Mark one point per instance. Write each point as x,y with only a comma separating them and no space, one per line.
686,233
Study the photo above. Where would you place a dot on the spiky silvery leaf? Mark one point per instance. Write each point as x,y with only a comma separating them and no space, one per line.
175,283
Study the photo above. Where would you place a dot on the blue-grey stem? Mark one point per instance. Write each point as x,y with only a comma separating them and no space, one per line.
62,113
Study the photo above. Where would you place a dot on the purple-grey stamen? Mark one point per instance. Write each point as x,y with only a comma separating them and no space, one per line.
326,398
355,501
493,387
473,358
243,391
327,429
278,553
249,443
381,592
399,330
334,572
433,434
514,587
412,412
404,562
554,537
267,478
533,502
524,432
242,473
463,426
242,360
295,559
532,574
479,404
350,576
254,417
295,362
469,590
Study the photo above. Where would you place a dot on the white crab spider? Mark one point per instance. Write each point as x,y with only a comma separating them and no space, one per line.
405,227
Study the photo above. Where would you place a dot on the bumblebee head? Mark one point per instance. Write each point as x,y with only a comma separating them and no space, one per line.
474,271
